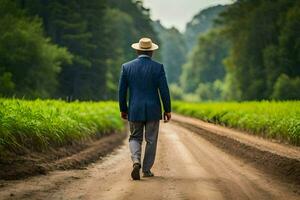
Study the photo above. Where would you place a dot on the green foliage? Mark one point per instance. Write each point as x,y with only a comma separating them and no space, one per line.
230,90
210,91
78,26
200,24
142,25
97,33
257,41
172,58
40,124
252,44
264,39
175,58
140,17
286,88
6,83
176,92
119,20
26,56
205,64
126,22
289,41
205,48
280,120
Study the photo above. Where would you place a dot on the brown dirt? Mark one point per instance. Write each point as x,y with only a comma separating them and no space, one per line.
283,159
187,167
77,155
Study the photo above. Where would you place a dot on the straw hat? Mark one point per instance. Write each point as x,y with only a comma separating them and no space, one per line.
145,44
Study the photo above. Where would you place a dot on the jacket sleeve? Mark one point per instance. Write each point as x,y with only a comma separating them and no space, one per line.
123,86
164,90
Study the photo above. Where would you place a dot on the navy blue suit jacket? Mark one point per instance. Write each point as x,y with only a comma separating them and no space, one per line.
146,81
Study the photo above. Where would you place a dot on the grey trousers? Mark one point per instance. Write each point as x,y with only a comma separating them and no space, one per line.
136,139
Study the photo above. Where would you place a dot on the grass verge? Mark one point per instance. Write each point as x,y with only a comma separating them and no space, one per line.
278,120
40,124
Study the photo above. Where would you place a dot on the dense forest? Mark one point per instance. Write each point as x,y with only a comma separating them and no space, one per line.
264,58
68,49
200,24
173,50
248,50
194,67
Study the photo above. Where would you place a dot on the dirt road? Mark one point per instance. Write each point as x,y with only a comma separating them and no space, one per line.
187,167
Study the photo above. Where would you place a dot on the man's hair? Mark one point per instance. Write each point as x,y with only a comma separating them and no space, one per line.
148,53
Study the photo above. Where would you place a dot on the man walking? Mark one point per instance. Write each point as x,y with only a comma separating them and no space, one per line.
146,81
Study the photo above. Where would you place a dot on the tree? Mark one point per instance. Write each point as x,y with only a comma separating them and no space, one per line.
200,24
264,38
173,51
98,33
29,62
210,91
286,88
205,64
120,47
7,86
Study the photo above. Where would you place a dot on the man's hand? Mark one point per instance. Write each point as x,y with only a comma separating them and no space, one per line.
167,117
124,115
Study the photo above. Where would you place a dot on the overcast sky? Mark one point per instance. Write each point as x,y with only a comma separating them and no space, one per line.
178,12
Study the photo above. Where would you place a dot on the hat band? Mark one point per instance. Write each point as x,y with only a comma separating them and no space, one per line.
145,47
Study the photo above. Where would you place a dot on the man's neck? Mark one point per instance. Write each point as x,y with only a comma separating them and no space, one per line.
144,56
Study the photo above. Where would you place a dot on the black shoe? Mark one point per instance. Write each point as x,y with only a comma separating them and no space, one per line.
135,174
148,174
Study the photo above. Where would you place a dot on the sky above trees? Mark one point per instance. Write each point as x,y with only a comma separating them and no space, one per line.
178,13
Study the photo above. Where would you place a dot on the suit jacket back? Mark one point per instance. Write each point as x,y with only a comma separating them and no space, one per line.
146,81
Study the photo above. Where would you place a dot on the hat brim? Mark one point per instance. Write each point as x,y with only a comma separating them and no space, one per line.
136,46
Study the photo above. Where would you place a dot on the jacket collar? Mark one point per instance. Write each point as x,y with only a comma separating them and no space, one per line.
144,56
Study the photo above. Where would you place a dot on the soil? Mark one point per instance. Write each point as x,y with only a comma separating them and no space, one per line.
282,159
77,155
188,166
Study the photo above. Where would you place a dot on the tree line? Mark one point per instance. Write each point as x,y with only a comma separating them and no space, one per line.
251,53
68,49
248,50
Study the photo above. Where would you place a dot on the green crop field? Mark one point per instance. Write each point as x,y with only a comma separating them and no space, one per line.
42,123
279,120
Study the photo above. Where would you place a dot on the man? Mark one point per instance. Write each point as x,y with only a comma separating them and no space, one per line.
146,81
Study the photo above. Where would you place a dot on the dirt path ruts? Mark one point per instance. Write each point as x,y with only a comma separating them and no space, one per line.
73,156
187,167
282,159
